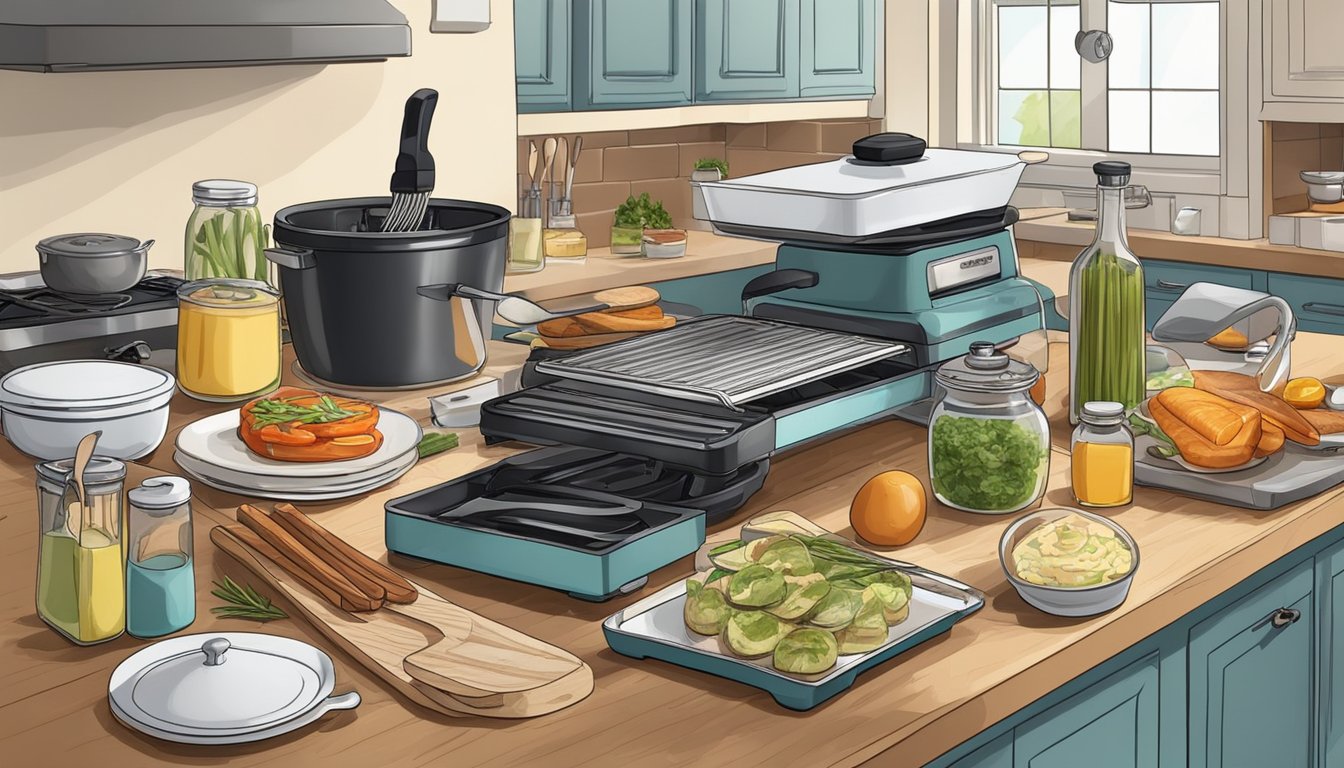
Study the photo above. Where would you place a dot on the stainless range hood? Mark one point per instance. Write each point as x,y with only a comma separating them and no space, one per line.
84,35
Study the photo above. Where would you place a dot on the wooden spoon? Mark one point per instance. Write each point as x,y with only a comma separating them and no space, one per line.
547,158
83,454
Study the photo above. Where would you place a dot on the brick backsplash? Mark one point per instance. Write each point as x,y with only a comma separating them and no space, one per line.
1296,147
616,164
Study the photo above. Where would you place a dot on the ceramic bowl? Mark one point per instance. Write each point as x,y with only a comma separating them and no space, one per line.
1066,601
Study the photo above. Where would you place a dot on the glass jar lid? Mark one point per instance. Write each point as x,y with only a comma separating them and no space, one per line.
91,245
160,493
224,192
986,369
1102,413
228,293
99,470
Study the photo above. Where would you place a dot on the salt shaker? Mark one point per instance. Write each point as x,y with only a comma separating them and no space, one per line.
160,574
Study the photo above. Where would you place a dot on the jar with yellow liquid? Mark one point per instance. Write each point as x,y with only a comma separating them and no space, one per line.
1103,456
228,339
80,562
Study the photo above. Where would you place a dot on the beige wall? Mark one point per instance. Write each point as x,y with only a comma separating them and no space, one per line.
118,151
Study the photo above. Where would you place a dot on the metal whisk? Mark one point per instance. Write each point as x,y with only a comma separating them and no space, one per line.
413,177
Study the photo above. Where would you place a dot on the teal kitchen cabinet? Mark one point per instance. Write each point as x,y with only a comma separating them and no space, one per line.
996,754
1330,652
632,53
1317,302
1113,724
746,50
1251,679
837,40
541,54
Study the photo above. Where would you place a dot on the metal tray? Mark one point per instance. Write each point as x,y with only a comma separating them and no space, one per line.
1291,474
654,628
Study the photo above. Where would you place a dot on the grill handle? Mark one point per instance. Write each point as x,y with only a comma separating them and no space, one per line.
774,282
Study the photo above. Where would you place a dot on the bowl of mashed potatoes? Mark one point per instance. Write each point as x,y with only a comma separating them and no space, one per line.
1068,562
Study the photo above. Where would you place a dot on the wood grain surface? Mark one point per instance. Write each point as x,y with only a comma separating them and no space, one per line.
904,713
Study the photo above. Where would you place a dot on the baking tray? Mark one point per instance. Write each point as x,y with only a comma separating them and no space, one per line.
655,628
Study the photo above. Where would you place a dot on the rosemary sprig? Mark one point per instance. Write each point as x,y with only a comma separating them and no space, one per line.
246,603
278,411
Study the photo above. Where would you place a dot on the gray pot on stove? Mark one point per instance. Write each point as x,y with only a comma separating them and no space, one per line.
92,263
360,302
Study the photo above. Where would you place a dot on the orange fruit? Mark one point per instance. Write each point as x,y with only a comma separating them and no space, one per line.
889,509
1304,393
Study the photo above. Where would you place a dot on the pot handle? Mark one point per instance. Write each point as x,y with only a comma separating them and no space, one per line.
290,258
446,291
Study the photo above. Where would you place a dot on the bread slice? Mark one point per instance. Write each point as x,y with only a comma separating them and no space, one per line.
629,297
602,322
584,342
1240,388
1326,422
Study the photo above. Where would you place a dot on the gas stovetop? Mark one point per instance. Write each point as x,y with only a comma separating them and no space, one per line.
24,308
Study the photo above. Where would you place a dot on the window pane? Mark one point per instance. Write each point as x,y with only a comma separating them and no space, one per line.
1185,123
1128,26
1185,45
1066,125
1128,118
1065,63
1024,118
1022,47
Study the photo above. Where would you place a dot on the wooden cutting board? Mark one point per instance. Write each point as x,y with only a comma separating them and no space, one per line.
435,653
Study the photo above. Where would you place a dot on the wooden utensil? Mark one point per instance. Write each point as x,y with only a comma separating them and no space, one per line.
435,653
561,161
83,452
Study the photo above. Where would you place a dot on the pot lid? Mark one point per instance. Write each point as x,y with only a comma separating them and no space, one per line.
99,470
986,369
228,292
221,683
853,177
81,385
91,244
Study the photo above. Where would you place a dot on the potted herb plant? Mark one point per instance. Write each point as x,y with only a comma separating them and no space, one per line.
643,225
627,231
706,169
661,241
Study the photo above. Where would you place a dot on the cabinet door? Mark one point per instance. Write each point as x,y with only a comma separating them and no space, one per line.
1113,724
635,53
1251,679
837,41
1307,59
541,37
1317,302
996,754
1330,679
746,50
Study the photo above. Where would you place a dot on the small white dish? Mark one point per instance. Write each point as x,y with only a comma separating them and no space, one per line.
462,408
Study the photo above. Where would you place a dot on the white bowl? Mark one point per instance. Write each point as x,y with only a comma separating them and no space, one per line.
46,409
1066,601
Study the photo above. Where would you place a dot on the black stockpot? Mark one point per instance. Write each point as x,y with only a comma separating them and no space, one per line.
357,315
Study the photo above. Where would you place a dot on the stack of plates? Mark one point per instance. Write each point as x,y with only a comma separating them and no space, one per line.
211,451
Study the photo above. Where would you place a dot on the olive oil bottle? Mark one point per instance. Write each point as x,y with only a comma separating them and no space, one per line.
1106,322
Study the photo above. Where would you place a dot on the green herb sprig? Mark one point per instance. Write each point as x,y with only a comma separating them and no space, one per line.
281,411
245,603
643,212
1166,447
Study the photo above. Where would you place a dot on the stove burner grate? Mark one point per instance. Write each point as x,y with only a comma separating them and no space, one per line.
49,301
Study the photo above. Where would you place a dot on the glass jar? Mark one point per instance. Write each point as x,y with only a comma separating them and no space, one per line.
225,234
527,251
80,572
989,444
1103,456
160,573
228,339
563,241
1106,322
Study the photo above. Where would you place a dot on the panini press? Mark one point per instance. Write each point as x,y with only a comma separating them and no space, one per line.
656,436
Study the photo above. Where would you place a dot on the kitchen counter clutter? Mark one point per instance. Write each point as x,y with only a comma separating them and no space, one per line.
907,711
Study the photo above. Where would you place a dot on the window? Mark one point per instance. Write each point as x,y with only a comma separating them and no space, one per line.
1156,94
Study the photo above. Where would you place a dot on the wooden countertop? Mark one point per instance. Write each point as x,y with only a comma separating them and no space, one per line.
906,712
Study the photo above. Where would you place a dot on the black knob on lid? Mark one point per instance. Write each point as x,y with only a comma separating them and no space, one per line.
1112,173
889,148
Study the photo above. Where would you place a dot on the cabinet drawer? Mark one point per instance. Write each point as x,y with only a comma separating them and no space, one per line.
1169,279
1318,302
1251,669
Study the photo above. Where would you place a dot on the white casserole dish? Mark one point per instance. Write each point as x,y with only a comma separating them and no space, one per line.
849,197
45,409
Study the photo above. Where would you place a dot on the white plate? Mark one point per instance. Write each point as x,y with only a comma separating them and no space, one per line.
316,493
305,485
214,441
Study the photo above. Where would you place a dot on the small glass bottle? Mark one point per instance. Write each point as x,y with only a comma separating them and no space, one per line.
226,236
160,574
1106,324
1103,456
80,562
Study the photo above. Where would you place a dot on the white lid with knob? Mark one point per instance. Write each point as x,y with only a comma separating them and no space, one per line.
164,492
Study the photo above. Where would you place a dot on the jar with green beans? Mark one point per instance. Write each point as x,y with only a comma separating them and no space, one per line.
1107,344
225,234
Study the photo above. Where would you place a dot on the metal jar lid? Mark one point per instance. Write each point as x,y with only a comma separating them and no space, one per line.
988,370
91,245
99,471
1103,413
224,192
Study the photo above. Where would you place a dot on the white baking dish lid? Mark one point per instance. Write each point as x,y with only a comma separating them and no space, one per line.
851,178
82,386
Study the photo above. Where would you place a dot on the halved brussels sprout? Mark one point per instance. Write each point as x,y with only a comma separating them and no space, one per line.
752,634
756,587
806,651
756,547
895,602
787,556
837,609
868,632
802,597
706,611
730,557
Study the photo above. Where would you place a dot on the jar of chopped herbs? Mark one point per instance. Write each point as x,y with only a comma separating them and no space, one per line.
989,443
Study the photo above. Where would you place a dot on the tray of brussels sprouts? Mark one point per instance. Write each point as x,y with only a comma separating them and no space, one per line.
791,609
